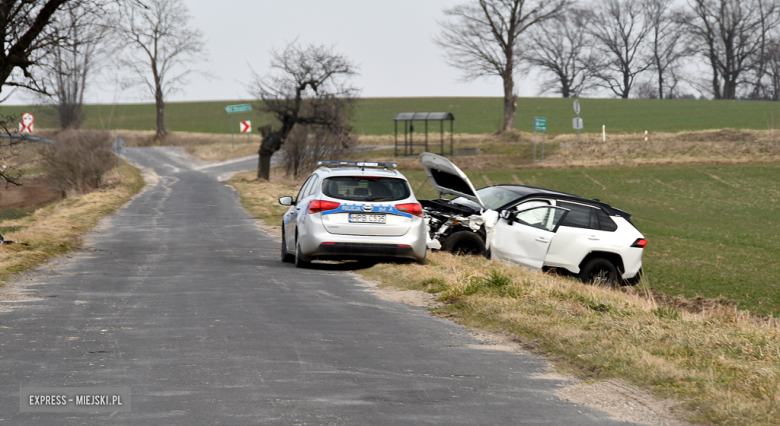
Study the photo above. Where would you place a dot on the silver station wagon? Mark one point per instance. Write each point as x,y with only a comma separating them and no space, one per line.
353,210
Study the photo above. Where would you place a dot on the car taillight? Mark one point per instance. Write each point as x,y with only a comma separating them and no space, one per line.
414,209
317,206
640,242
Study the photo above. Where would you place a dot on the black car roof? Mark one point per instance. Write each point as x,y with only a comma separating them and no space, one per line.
530,191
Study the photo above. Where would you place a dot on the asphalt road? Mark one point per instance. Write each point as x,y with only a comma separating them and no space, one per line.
181,298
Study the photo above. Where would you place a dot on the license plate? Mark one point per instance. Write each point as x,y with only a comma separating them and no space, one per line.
367,218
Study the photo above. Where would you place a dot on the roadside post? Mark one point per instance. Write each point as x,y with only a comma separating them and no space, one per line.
577,122
540,125
232,109
119,148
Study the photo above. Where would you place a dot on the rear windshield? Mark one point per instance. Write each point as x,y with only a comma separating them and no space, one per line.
356,188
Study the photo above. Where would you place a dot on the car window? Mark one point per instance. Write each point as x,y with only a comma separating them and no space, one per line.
531,204
580,216
541,217
605,222
313,187
357,188
303,188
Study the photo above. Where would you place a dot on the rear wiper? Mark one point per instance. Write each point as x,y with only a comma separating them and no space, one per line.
377,198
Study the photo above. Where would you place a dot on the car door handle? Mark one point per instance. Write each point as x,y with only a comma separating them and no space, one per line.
594,238
541,240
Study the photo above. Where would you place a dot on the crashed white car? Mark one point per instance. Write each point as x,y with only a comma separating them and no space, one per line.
532,227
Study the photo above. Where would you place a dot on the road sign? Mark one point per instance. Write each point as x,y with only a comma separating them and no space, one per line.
540,124
119,145
26,126
238,108
577,123
577,106
246,126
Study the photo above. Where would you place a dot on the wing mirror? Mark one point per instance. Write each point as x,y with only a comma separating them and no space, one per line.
286,201
508,215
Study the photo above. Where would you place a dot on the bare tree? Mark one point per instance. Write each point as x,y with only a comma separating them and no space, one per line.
620,29
26,38
73,62
482,36
771,63
669,43
161,45
305,145
731,34
559,47
307,86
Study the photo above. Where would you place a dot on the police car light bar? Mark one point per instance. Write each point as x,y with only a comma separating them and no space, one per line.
380,164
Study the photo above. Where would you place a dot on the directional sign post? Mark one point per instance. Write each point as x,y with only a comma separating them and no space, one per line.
232,109
540,125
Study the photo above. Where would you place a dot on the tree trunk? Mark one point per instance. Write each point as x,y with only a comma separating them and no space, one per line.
509,103
160,104
264,166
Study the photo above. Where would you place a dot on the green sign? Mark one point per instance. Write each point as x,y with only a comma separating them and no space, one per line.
540,124
238,108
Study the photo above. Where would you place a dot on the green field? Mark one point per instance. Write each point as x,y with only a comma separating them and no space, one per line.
472,115
712,229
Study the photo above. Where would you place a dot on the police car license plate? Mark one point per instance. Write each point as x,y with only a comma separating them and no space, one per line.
367,218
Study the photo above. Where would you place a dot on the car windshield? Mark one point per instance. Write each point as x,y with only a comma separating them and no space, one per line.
494,198
357,188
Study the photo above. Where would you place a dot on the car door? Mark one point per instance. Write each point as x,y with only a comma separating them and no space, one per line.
578,235
292,216
524,237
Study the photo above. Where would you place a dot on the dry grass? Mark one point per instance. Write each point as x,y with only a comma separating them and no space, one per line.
260,197
724,365
57,228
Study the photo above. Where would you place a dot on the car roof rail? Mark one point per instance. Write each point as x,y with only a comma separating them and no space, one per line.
361,164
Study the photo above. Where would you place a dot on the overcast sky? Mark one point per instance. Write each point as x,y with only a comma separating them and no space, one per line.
391,41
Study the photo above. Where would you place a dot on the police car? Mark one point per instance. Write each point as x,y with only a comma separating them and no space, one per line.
353,210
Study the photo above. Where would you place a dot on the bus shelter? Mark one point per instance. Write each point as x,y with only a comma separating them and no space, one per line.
408,144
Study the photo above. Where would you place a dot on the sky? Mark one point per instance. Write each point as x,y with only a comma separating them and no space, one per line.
391,41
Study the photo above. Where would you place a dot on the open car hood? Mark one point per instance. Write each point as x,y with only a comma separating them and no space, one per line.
447,178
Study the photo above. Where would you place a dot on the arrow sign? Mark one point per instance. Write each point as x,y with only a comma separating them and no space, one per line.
238,108
577,106
246,126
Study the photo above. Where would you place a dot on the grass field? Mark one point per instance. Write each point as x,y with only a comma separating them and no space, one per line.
374,116
712,228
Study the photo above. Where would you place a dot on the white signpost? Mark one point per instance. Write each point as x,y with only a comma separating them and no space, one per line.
232,109
27,124
577,122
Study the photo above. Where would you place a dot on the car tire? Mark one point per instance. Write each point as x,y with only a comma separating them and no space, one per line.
286,257
300,262
465,243
600,271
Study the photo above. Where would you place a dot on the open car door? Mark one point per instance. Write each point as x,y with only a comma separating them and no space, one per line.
524,237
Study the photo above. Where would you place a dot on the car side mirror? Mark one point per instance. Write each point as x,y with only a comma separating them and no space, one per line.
286,201
508,215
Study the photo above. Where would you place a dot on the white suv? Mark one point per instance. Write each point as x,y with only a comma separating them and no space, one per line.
533,227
